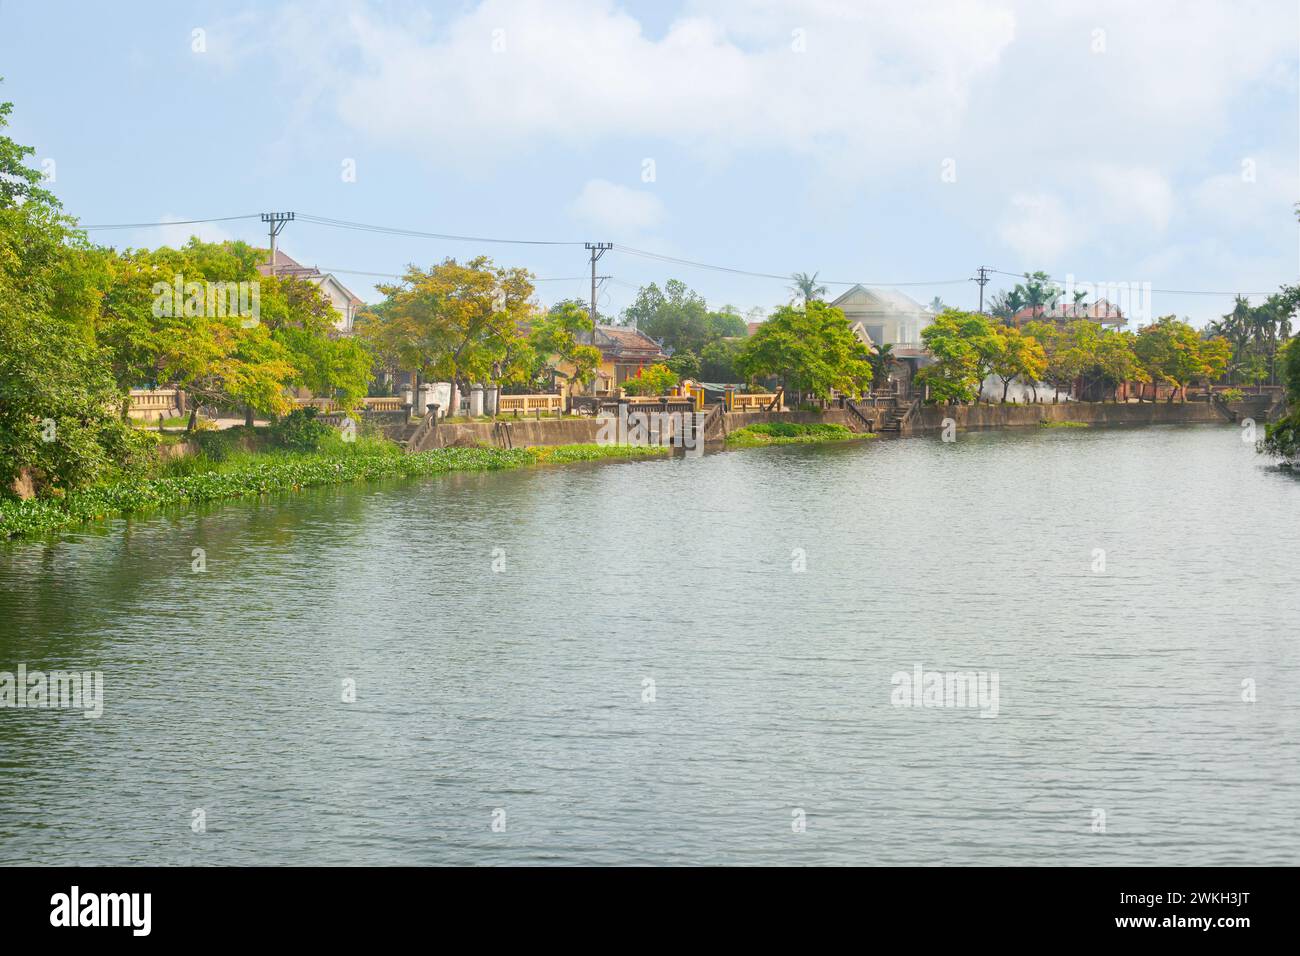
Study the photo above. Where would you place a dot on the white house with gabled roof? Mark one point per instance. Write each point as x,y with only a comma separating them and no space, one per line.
887,316
340,296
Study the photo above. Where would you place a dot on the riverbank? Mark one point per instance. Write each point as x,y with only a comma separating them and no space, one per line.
272,474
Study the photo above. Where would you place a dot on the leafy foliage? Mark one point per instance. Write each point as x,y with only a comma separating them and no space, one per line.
811,350
656,380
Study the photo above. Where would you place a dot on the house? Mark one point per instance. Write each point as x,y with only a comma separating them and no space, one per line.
886,317
1100,311
339,295
624,351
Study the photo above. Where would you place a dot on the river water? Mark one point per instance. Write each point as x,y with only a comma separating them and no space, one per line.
623,663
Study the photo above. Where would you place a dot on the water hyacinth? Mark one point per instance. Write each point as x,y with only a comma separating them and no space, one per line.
278,474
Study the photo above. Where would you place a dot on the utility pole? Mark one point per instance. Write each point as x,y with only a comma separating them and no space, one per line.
983,280
597,249
275,221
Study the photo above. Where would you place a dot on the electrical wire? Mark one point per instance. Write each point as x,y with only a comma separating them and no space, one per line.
1022,275
397,231
177,222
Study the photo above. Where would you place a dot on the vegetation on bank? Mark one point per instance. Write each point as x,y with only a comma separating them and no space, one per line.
241,474
970,348
789,433
1282,438
1063,424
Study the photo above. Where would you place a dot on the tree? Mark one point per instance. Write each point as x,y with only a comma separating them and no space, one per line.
806,287
965,347
676,317
58,426
1282,438
1004,305
201,341
454,321
718,361
882,363
1116,362
18,182
555,338
685,365
1018,356
811,350
1170,351
1065,352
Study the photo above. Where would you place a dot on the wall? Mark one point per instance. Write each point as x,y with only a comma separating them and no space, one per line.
929,418
552,431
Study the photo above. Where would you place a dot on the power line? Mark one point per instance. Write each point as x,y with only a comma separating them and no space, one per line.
771,275
418,234
175,222
617,247
1022,275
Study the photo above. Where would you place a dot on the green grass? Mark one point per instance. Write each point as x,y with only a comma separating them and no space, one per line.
196,480
789,433
1063,424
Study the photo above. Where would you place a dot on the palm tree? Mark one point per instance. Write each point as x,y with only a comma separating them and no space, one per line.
937,305
1004,305
882,360
806,285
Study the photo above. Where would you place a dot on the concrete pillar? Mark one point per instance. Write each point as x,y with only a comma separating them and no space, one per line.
424,399
408,397
491,397
475,400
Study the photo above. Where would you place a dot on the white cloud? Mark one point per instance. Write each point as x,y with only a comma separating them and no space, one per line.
878,82
616,210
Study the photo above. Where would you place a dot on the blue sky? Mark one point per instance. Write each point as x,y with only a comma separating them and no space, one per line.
883,143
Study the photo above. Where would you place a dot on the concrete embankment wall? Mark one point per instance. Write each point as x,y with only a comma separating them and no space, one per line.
929,418
554,431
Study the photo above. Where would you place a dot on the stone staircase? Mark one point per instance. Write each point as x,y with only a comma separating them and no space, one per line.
894,414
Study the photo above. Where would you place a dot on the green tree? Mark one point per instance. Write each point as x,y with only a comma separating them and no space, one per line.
454,321
1171,351
685,364
965,347
557,338
1018,356
1282,438
58,427
811,351
718,361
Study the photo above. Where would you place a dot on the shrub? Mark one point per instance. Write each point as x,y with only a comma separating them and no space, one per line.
300,431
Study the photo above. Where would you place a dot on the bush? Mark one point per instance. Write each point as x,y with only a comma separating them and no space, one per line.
300,431
1232,395
655,380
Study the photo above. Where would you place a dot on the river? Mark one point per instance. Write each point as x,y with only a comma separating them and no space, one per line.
682,661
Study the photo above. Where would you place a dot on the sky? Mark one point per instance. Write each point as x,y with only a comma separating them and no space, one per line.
894,144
